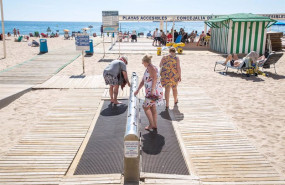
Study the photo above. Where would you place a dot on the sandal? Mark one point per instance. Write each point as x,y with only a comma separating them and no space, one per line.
176,102
148,128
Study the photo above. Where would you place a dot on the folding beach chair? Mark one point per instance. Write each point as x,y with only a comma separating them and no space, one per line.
178,39
272,59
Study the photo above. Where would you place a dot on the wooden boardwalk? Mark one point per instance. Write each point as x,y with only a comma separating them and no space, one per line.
73,82
45,154
22,77
217,152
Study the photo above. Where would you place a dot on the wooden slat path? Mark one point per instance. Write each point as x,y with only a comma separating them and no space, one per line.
217,151
40,68
73,82
22,77
92,179
45,154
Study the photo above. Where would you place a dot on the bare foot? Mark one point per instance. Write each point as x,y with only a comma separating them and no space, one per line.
117,102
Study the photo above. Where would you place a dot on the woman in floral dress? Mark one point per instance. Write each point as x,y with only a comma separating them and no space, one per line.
153,91
170,74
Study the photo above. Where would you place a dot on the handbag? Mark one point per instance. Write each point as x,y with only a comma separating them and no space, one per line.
152,97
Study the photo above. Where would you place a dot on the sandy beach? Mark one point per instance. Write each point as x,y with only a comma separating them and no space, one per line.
255,104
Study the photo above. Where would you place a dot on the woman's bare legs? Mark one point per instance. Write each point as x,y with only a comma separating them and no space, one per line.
115,93
111,92
149,116
154,115
167,93
229,58
175,93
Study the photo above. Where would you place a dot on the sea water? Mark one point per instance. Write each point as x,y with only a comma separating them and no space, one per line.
26,27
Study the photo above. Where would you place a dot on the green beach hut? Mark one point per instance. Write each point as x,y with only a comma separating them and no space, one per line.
239,33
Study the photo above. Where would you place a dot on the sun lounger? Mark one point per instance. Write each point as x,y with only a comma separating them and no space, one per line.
228,65
272,59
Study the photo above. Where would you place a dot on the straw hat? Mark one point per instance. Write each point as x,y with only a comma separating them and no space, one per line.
125,58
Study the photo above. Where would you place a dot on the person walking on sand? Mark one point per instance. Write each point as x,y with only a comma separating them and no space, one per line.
154,37
115,74
15,32
170,74
153,91
18,32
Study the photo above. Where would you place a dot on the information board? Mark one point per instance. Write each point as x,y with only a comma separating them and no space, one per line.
82,42
131,149
110,20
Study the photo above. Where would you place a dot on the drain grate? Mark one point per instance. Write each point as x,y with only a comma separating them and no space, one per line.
160,151
104,151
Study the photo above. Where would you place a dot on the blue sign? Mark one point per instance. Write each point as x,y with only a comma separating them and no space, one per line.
82,42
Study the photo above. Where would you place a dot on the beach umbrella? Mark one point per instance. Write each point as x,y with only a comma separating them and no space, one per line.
85,30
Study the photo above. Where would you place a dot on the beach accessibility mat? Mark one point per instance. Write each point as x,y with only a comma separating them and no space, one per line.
160,150
104,152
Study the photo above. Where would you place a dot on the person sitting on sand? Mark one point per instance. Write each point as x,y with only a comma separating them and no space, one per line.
149,34
35,44
115,74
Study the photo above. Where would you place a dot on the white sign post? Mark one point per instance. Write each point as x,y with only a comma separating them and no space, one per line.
110,20
82,44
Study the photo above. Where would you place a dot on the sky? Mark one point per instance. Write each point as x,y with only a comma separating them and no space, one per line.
91,10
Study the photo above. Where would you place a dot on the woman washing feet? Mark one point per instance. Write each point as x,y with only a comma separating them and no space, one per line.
153,91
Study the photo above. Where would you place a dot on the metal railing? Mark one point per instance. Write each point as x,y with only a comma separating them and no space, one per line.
131,138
